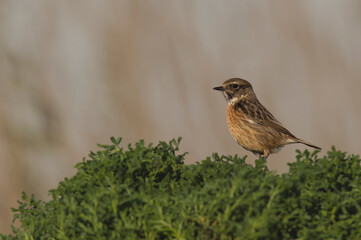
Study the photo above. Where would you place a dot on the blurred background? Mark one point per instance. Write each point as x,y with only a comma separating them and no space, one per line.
74,73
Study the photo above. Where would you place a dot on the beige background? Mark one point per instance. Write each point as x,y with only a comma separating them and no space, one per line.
74,73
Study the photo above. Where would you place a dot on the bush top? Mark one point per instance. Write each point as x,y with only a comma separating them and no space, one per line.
147,192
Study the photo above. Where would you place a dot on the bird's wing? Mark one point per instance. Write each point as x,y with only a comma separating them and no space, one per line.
257,113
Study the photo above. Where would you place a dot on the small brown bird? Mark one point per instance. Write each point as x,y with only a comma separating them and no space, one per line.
250,123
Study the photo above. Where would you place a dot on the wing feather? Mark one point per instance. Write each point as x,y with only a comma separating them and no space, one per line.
257,113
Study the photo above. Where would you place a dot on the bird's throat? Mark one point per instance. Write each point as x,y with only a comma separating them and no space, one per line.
233,100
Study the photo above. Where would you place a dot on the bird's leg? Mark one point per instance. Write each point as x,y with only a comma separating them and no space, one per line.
265,154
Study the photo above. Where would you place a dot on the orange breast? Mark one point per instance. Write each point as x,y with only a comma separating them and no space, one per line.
251,136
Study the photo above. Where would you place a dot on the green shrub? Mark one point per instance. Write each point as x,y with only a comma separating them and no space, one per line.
147,192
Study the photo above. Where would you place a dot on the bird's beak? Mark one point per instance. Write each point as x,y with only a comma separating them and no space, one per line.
219,88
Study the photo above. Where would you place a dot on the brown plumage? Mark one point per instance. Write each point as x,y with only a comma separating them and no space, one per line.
250,123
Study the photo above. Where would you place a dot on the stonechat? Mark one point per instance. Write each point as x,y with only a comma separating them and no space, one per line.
251,124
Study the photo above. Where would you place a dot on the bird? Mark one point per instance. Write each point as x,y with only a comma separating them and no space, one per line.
251,124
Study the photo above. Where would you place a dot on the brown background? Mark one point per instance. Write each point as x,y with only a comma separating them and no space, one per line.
74,73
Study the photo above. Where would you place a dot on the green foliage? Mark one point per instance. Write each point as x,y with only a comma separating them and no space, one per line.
147,192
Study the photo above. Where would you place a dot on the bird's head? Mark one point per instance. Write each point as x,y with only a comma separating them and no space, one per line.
235,89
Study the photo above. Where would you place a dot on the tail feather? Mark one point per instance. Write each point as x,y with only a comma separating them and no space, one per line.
307,143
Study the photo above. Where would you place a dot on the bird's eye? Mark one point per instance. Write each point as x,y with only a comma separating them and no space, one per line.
235,86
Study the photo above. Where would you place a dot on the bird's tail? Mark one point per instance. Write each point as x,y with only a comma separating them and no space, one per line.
307,143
